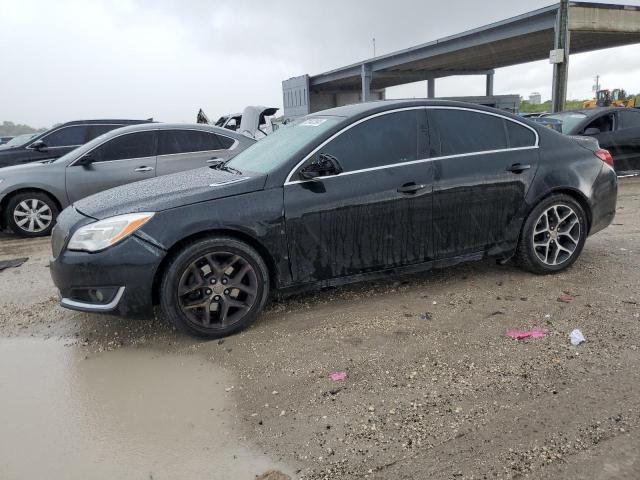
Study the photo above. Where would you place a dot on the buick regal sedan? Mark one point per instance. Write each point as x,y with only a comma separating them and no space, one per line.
32,195
343,195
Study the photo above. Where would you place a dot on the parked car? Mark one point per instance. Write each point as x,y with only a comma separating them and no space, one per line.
343,195
254,122
616,129
18,140
59,141
32,195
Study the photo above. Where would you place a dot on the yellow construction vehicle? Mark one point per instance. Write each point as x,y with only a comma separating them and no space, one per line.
607,98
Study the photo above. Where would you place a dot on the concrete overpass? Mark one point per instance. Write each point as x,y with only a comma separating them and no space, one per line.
548,33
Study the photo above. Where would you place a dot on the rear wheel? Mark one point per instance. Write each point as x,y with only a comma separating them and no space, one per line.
214,287
553,235
31,214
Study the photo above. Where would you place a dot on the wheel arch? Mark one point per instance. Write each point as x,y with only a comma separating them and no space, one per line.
5,200
574,193
194,237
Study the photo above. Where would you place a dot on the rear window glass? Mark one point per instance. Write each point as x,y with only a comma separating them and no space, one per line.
519,136
185,141
464,131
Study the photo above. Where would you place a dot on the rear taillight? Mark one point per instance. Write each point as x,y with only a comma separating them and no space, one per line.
605,156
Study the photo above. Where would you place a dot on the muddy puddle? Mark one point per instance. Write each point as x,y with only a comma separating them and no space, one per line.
125,414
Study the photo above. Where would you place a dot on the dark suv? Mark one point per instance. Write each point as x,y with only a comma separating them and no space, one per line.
59,140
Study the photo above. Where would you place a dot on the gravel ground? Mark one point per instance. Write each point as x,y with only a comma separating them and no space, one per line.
434,388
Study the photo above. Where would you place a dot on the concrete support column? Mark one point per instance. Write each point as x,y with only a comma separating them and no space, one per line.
489,89
366,75
561,69
431,88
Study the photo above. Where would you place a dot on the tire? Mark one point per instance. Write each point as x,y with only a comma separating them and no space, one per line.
31,214
201,293
537,245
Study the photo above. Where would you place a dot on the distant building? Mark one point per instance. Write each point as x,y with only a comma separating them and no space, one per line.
535,98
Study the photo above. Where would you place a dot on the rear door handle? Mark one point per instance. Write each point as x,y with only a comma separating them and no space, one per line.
410,188
518,168
143,169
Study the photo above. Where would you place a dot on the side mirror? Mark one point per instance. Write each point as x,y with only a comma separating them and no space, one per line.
85,160
592,131
324,166
39,145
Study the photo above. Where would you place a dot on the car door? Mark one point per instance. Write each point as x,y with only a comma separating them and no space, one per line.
123,159
186,149
606,128
59,142
485,165
374,215
627,139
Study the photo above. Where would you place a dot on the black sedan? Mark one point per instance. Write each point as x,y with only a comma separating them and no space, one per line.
616,129
339,196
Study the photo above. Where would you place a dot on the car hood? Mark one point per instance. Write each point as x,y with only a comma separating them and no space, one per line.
169,191
5,172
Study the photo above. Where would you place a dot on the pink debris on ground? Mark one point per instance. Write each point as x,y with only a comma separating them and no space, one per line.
524,334
338,376
566,298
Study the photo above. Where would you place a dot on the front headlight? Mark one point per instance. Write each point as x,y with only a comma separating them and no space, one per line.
105,233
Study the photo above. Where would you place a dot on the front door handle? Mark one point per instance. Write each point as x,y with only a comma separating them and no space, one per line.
518,168
143,169
410,188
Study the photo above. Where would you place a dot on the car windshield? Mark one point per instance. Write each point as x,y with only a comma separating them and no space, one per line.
19,140
569,120
270,152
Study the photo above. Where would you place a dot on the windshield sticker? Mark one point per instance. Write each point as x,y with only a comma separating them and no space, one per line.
313,122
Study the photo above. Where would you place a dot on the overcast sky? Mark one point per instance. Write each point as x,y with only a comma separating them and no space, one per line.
69,59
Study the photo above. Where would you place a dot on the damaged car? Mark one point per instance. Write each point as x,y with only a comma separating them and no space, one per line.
255,121
347,194
32,195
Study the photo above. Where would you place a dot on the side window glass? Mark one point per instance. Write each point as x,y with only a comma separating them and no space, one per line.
603,123
67,137
96,130
630,119
383,140
519,136
464,131
132,145
185,141
225,142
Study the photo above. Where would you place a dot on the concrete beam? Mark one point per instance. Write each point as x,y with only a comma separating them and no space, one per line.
366,76
431,88
561,69
417,76
489,86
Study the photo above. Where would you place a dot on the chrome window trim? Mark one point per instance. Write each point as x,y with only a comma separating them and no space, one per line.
67,302
289,181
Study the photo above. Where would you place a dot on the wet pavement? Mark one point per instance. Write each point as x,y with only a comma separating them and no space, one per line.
126,414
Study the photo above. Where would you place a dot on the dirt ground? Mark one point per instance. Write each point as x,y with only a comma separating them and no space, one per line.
434,387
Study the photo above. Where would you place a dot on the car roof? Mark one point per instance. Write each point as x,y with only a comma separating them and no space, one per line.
180,126
122,121
367,108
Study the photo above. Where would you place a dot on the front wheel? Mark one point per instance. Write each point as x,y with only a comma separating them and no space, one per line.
214,287
553,235
31,214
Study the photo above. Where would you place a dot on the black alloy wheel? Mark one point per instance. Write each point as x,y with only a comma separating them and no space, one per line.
215,287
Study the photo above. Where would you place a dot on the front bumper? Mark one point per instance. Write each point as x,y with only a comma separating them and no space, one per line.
118,280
